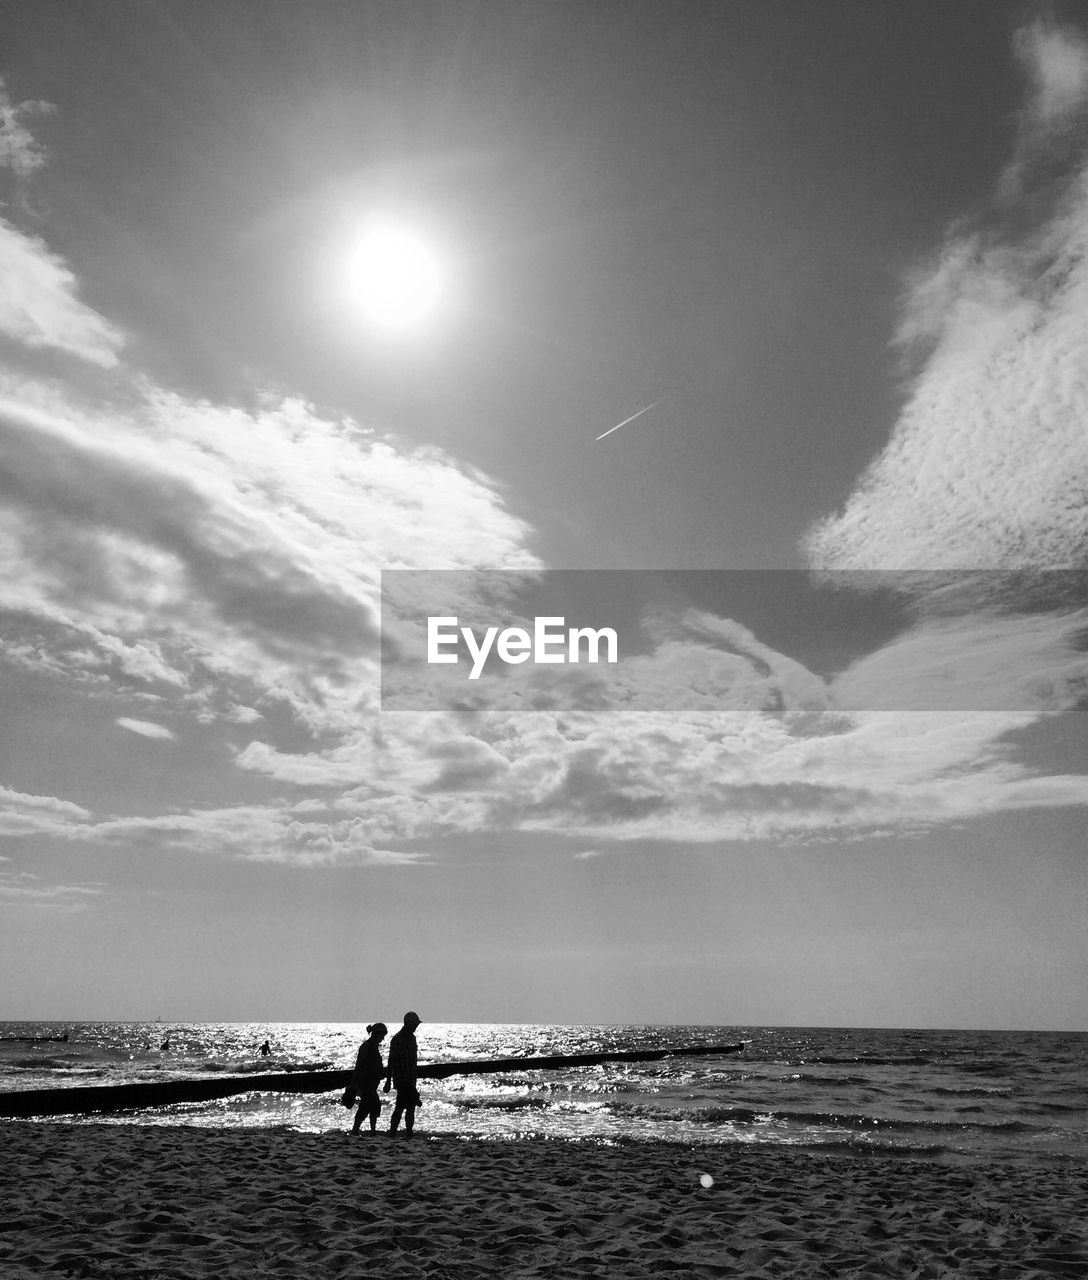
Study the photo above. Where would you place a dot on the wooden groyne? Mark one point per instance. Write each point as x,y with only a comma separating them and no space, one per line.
92,1099
491,1066
95,1099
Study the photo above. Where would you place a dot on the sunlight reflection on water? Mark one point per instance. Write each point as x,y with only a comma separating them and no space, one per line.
937,1093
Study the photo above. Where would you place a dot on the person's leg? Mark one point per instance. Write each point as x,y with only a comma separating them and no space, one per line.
359,1113
398,1111
375,1112
409,1118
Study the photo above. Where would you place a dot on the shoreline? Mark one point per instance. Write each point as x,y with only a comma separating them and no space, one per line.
105,1201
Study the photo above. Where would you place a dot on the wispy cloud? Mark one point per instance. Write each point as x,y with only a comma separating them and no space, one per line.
22,889
279,834
1055,61
39,304
145,728
22,814
987,465
20,151
1024,662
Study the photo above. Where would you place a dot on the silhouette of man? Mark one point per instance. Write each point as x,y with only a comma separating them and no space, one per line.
402,1073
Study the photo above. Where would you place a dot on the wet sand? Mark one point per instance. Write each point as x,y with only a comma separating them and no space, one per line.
144,1203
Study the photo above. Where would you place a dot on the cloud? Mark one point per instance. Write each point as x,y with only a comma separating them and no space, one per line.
22,889
1055,60
987,465
145,728
986,468
1030,663
39,306
231,554
22,815
258,834
243,715
224,560
19,150
307,833
708,735
712,735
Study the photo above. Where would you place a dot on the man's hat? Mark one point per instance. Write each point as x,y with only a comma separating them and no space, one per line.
411,1017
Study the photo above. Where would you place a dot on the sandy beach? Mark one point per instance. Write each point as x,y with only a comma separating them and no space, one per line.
148,1203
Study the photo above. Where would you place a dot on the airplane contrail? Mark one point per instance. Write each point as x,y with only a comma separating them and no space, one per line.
630,419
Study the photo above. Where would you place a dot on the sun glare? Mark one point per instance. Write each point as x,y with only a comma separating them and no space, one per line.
396,277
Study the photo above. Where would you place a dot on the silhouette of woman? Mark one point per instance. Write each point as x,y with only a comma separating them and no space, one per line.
367,1076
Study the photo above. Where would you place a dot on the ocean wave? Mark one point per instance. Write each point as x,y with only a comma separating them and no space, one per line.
485,1103
812,1119
869,1060
856,1120
263,1066
825,1081
39,1063
996,1092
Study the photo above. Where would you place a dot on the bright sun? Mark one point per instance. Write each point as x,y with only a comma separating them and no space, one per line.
396,277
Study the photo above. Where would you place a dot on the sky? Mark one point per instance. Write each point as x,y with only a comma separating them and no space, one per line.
293,296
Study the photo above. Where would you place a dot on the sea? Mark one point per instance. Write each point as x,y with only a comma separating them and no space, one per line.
955,1096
